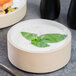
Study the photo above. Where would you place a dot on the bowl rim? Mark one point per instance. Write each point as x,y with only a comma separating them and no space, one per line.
24,3
25,50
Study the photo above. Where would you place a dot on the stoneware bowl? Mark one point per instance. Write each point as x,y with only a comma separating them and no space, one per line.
16,16
38,60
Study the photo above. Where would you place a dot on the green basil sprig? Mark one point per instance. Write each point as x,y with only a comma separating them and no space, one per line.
43,40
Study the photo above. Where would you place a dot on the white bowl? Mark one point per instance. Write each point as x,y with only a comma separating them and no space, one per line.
38,60
16,16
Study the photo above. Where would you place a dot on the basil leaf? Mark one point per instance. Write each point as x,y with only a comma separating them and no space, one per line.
42,40
39,43
29,36
52,38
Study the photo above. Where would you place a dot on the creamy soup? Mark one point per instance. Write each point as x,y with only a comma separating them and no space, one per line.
37,28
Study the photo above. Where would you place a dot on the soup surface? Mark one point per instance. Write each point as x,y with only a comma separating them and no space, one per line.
37,28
